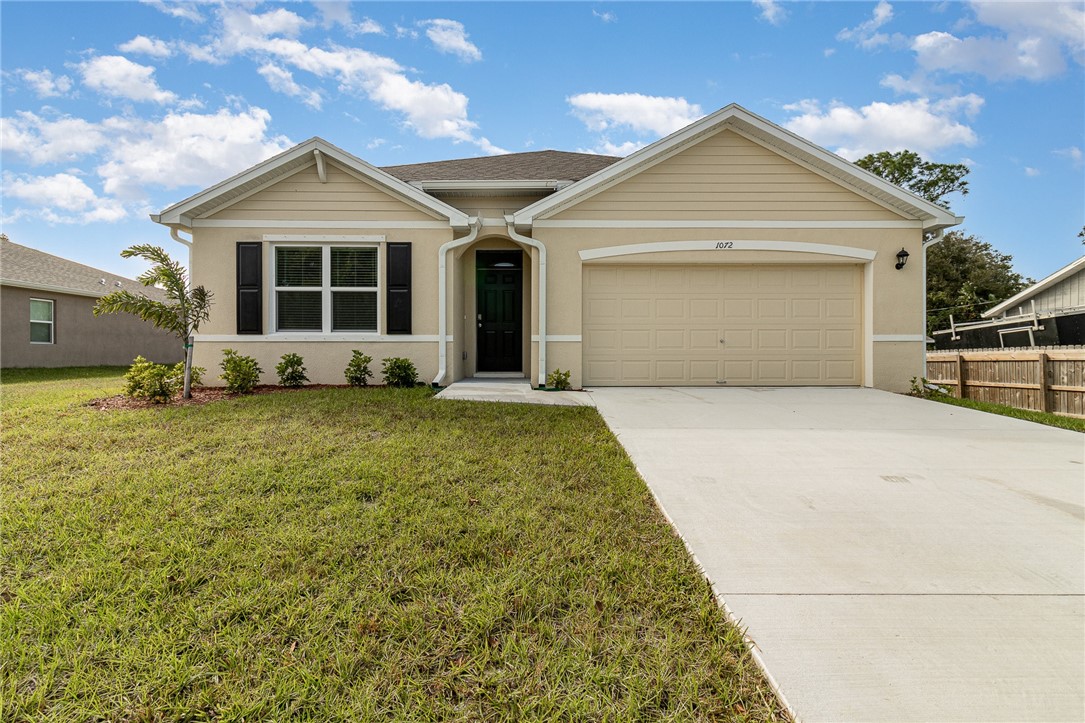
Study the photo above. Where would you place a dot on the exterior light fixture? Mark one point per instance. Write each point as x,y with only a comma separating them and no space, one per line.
902,258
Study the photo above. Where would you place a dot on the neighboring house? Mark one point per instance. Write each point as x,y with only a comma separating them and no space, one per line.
1051,312
730,252
47,319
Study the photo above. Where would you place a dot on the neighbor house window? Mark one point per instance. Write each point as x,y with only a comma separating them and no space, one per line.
330,288
41,321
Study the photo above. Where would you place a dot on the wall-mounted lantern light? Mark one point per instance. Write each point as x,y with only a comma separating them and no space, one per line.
902,259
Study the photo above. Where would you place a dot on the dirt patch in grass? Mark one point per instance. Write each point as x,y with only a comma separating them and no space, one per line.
204,395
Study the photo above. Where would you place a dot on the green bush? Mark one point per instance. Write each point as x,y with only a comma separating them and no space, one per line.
241,373
399,372
291,371
147,380
558,379
178,373
357,371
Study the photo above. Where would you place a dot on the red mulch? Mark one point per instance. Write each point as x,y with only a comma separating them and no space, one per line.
200,395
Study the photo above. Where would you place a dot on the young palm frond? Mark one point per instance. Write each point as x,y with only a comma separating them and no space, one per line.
181,315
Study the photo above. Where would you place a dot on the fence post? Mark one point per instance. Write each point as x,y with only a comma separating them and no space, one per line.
960,376
1042,360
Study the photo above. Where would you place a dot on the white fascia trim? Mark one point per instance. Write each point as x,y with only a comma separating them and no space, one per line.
323,238
474,185
1039,286
315,337
269,223
456,217
717,245
57,289
590,223
559,338
709,124
898,337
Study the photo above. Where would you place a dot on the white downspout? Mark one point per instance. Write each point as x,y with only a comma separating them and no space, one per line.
542,293
927,244
442,298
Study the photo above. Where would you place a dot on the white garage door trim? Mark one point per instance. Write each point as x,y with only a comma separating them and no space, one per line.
727,245
827,371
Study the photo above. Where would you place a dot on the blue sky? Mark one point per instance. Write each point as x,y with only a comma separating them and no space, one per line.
113,110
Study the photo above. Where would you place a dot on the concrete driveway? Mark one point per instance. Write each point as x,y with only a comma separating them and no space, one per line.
893,559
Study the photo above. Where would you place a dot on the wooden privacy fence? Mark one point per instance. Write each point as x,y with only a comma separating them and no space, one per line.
1044,380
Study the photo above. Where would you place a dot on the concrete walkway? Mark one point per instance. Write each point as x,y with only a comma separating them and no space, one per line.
519,391
894,559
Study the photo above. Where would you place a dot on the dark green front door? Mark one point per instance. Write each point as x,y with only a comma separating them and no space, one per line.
499,282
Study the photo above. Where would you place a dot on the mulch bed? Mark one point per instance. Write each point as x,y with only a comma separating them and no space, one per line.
200,395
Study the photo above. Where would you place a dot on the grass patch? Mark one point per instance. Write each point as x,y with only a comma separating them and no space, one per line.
1052,420
344,554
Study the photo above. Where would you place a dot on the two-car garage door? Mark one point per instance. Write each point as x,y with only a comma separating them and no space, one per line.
671,325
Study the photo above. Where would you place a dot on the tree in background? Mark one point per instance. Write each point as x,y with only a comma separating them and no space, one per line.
932,181
965,275
182,315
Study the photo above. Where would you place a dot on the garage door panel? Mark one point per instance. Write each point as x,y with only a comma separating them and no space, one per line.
735,325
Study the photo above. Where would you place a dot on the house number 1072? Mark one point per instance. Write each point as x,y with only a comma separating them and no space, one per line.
725,244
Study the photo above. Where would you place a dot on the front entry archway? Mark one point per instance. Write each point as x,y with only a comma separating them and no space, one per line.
499,288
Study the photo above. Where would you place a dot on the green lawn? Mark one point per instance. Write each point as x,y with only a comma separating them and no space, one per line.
342,555
1051,420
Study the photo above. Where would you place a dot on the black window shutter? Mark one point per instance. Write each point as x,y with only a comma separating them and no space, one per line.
399,288
250,265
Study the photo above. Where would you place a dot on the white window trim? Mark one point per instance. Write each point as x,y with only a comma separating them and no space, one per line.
51,322
325,289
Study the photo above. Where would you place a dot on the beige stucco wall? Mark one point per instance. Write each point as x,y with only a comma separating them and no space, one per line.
81,339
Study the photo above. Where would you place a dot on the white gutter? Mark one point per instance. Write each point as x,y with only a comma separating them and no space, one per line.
542,292
174,235
442,297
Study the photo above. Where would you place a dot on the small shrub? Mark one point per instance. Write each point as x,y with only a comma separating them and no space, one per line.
357,371
147,380
178,373
558,379
291,371
241,373
399,372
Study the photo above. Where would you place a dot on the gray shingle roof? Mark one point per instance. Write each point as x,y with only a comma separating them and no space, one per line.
533,166
25,266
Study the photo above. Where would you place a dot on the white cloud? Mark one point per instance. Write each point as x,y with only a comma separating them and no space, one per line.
367,26
1030,58
606,17
333,12
60,198
41,141
184,9
184,149
866,34
1073,153
200,53
431,110
771,12
644,114
282,81
1031,172
146,46
919,125
44,84
1033,43
449,36
117,76
402,32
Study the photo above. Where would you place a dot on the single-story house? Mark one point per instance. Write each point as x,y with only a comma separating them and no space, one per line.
730,252
1051,312
47,315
